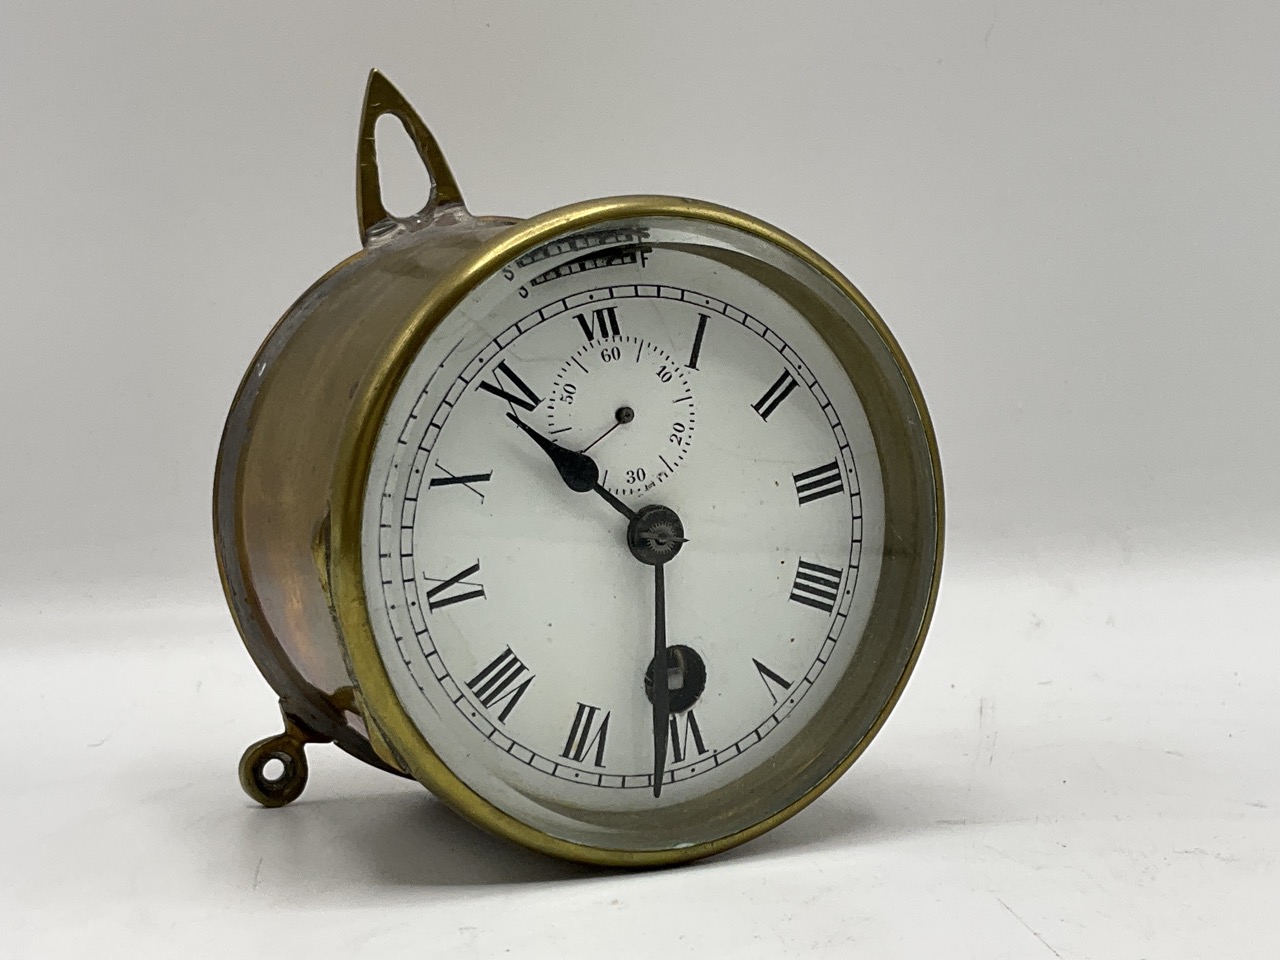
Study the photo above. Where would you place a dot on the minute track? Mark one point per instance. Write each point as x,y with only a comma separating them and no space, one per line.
563,768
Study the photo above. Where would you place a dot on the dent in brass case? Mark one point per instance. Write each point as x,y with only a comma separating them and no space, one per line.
295,456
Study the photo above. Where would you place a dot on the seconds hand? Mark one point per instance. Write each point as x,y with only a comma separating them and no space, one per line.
577,470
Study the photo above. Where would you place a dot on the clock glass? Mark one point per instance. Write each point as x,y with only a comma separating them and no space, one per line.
643,529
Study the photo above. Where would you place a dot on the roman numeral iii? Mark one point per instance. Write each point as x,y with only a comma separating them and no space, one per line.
780,390
455,589
819,482
497,683
585,735
816,586
603,323
502,374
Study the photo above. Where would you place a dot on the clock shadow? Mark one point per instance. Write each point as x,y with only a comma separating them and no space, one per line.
411,839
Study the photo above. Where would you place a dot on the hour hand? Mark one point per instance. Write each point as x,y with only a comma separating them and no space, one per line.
577,470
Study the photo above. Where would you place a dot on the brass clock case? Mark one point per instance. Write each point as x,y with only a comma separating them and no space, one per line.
294,465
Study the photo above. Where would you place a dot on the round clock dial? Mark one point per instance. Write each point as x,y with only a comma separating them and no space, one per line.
623,533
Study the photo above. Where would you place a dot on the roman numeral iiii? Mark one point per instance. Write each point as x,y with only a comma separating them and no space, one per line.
816,586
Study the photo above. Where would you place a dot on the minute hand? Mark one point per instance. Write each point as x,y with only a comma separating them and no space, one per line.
578,471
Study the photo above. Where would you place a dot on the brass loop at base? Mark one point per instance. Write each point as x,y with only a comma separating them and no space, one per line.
275,792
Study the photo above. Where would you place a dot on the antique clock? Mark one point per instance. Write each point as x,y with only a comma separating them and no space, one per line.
619,528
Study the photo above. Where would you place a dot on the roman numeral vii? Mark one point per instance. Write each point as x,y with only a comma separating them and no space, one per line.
585,734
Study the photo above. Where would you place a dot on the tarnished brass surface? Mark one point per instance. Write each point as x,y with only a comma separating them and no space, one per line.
912,561
272,480
294,467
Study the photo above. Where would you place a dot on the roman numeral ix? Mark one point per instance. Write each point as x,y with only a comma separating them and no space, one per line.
444,593
819,482
464,479
603,322
497,683
527,399
585,734
780,390
816,586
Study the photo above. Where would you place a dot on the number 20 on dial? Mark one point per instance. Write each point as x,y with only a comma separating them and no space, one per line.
619,528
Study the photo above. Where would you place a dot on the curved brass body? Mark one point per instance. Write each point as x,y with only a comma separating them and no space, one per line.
293,469
272,480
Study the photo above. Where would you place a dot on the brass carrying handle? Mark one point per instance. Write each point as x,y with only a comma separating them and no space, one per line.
381,97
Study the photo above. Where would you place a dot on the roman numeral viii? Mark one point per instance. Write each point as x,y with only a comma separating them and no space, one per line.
585,734
503,374
680,740
455,589
780,390
603,322
497,683
816,586
819,482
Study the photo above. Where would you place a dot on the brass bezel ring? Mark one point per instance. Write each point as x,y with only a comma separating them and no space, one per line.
351,475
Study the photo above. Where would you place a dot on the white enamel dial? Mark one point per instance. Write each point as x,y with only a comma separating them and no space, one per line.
517,627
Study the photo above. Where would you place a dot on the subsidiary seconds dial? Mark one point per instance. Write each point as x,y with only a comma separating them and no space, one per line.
627,402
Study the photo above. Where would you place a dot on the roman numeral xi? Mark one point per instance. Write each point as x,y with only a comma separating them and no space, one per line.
525,399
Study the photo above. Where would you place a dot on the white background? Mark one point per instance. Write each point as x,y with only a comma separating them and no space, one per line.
1068,213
